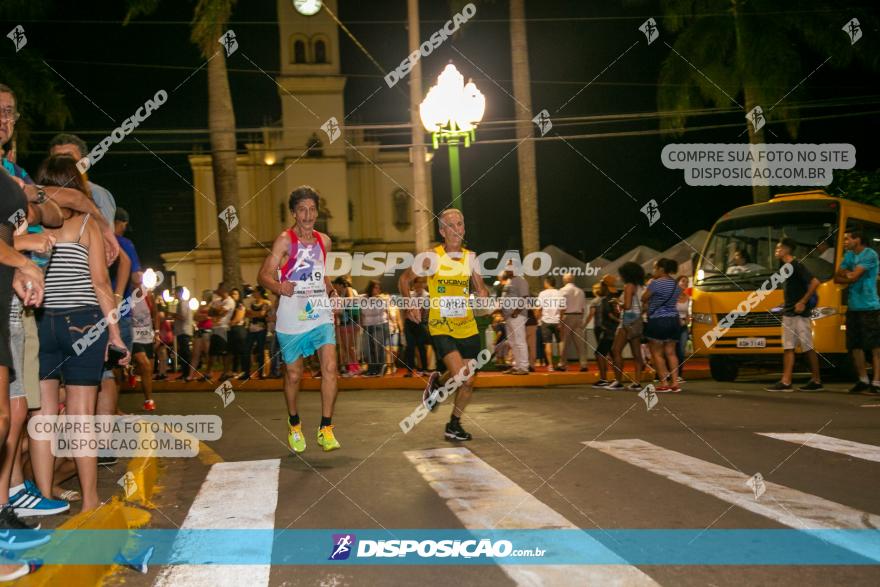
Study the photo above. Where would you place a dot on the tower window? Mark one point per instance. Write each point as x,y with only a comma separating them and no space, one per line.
320,51
299,51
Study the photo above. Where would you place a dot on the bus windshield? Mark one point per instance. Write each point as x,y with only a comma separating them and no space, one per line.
741,249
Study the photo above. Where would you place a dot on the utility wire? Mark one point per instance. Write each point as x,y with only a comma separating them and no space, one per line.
483,142
834,102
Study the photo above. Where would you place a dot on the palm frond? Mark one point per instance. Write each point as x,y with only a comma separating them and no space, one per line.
209,22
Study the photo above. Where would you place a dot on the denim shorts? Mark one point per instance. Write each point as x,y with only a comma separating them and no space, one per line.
66,352
663,329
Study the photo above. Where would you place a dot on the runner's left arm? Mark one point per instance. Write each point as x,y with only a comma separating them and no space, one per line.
477,279
331,291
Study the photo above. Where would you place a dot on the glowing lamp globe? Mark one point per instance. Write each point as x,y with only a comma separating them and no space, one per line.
451,104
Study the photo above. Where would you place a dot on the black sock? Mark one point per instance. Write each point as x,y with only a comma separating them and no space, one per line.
325,421
293,419
454,420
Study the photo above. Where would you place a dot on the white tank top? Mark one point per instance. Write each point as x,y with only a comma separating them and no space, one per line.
141,322
308,307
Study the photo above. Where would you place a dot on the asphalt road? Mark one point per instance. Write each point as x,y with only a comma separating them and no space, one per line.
701,446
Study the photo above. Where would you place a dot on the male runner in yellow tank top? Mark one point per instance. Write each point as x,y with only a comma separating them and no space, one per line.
451,279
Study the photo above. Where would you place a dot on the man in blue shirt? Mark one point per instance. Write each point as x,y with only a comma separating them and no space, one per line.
859,270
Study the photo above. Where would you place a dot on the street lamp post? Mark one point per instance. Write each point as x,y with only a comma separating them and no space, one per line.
450,112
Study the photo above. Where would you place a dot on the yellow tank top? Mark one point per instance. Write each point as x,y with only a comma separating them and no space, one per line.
449,291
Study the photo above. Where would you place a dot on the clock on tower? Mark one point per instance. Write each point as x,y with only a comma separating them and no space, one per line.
307,7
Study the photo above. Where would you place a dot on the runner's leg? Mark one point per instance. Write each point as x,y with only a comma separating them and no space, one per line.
329,374
292,381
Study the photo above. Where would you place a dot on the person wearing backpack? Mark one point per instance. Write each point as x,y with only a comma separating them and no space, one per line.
797,327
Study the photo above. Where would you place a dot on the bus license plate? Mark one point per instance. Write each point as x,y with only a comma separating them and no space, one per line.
751,343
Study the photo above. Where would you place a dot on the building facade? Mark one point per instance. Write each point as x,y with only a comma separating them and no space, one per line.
366,202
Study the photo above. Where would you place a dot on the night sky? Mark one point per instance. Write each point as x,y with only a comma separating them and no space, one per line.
582,211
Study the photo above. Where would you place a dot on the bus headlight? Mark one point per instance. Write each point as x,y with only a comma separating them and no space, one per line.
701,318
822,312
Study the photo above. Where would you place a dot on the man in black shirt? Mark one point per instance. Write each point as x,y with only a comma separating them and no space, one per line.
799,293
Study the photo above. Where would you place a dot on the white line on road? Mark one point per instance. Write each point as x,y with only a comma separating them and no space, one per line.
227,500
781,504
479,494
850,448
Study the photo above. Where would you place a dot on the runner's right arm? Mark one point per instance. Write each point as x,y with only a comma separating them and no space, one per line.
269,270
404,284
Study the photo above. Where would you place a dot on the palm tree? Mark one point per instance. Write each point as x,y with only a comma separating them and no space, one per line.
747,53
210,19
525,153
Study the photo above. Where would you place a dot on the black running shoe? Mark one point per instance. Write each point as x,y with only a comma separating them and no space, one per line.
780,386
859,387
18,535
456,432
433,383
10,520
811,386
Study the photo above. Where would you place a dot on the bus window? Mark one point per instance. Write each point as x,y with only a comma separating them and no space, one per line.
741,249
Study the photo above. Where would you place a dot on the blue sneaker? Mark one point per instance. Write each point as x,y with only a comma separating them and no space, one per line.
30,502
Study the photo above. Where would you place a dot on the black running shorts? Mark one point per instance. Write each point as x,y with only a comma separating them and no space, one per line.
468,347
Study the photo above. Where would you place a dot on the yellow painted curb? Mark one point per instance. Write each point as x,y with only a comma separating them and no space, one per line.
113,515
144,471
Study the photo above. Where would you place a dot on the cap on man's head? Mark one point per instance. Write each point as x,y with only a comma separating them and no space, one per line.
121,215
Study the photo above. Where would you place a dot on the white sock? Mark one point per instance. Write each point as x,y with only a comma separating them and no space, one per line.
16,489
863,378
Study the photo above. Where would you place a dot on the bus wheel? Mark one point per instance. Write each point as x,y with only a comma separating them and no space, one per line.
723,368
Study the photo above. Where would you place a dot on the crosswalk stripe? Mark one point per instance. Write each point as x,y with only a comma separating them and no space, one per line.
480,496
850,448
781,504
227,500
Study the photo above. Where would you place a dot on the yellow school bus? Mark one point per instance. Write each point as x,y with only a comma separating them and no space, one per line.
737,301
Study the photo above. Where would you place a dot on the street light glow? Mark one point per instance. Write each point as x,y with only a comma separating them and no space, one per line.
150,279
452,104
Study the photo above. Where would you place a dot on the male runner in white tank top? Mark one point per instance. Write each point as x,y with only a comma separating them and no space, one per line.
295,271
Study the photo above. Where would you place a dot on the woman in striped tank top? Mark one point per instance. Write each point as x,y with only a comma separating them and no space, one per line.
73,345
